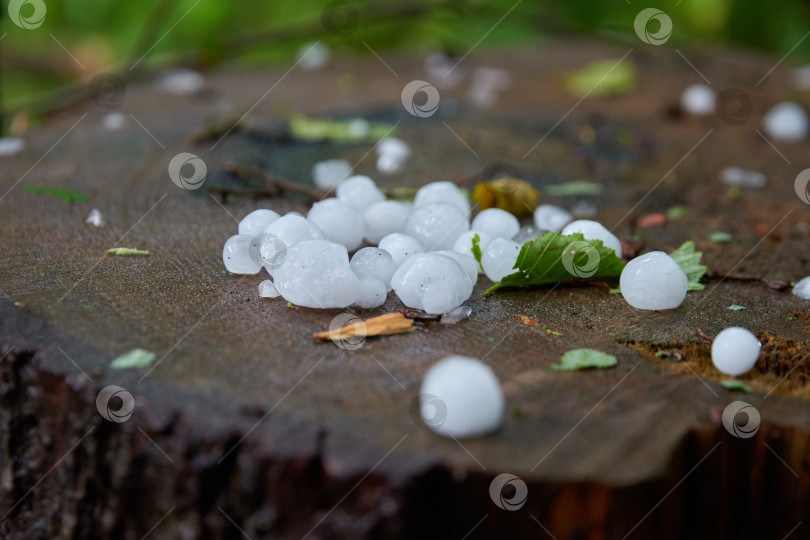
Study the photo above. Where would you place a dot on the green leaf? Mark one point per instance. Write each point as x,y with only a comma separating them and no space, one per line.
736,386
677,212
133,359
547,259
584,359
551,332
573,189
476,250
353,130
735,307
719,237
602,78
59,192
126,251
689,261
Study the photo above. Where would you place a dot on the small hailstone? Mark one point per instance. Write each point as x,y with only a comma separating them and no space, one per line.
374,262
486,83
384,218
359,192
257,221
394,147
739,177
735,351
463,243
653,281
10,146
802,289
181,82
331,172
436,226
786,122
339,222
467,263
389,163
414,281
497,222
400,246
316,273
312,55
444,193
372,293
443,69
95,218
592,230
267,289
527,234
461,397
457,315
698,99
114,121
498,259
548,217
293,228
236,255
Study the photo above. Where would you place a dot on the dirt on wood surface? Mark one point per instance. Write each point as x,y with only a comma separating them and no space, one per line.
245,423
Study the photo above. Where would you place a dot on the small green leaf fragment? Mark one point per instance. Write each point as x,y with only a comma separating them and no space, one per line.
517,412
352,130
551,332
476,250
736,386
689,261
64,194
584,359
126,251
677,212
133,359
734,193
617,290
719,237
573,189
735,307
602,78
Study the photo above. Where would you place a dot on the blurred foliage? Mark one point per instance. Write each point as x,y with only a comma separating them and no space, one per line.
110,35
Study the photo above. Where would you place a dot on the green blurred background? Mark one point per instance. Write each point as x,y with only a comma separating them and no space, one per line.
109,35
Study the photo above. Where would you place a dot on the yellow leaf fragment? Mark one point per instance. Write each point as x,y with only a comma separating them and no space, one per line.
383,325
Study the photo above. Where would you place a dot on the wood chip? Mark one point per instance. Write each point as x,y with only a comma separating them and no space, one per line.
526,320
384,325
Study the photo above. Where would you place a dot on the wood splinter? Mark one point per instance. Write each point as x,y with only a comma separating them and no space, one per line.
383,325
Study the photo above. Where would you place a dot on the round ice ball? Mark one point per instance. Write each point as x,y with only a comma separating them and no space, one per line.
593,230
499,223
735,351
802,289
499,257
328,174
384,218
698,99
436,226
461,397
548,217
527,234
374,262
786,122
292,228
467,262
444,193
359,192
653,281
257,221
236,255
463,243
372,292
413,278
400,246
339,222
393,147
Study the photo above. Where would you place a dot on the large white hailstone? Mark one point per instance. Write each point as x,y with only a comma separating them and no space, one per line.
653,281
786,122
374,262
400,246
292,228
328,174
802,289
499,257
257,221
413,281
436,226
236,255
461,397
463,243
737,176
548,217
593,230
698,99
384,218
735,351
372,293
267,289
527,234
499,223
339,222
467,262
444,193
316,273
359,192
